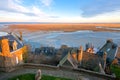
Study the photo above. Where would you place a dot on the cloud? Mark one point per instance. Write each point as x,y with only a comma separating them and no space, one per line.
14,10
10,16
95,7
19,1
38,12
54,16
112,16
15,6
46,2
107,17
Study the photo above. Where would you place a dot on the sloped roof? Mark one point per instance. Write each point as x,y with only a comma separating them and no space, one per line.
69,58
110,48
3,34
91,61
45,50
12,38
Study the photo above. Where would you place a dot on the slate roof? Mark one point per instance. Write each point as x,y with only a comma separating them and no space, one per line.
11,38
46,50
110,48
68,50
91,61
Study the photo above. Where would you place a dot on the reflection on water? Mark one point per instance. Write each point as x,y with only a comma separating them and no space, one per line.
3,26
73,39
118,29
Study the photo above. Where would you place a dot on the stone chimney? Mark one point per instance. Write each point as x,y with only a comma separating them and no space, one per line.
74,55
5,46
109,41
21,38
80,54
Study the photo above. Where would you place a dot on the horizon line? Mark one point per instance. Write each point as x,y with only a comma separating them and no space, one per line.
61,22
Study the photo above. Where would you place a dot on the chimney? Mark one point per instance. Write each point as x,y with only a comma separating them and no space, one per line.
5,46
74,55
80,54
21,38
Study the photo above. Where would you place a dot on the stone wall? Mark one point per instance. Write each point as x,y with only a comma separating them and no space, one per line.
8,63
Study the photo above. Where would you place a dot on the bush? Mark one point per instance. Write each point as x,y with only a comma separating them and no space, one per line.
25,54
115,69
24,77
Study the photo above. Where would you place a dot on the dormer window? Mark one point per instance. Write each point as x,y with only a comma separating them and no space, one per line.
14,44
108,49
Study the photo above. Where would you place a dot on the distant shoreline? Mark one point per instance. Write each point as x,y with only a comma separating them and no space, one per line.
56,23
68,27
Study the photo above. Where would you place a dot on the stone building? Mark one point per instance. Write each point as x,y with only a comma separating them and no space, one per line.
11,51
89,60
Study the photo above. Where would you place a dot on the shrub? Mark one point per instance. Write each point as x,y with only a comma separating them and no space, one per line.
115,69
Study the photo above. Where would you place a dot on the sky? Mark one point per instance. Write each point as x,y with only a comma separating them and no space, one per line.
73,11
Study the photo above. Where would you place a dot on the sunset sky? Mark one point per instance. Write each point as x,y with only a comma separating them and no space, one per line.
76,11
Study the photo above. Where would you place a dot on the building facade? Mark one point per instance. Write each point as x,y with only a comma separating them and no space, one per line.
11,52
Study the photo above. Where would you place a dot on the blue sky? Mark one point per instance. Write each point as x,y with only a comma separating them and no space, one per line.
60,11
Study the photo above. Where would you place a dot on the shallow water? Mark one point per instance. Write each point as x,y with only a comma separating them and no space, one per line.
117,29
73,39
3,26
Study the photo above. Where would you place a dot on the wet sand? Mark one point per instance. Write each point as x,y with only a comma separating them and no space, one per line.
64,27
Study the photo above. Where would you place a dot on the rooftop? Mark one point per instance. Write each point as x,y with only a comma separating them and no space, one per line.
11,38
3,34
111,49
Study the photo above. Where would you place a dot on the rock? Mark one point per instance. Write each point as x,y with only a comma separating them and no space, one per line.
38,75
17,79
